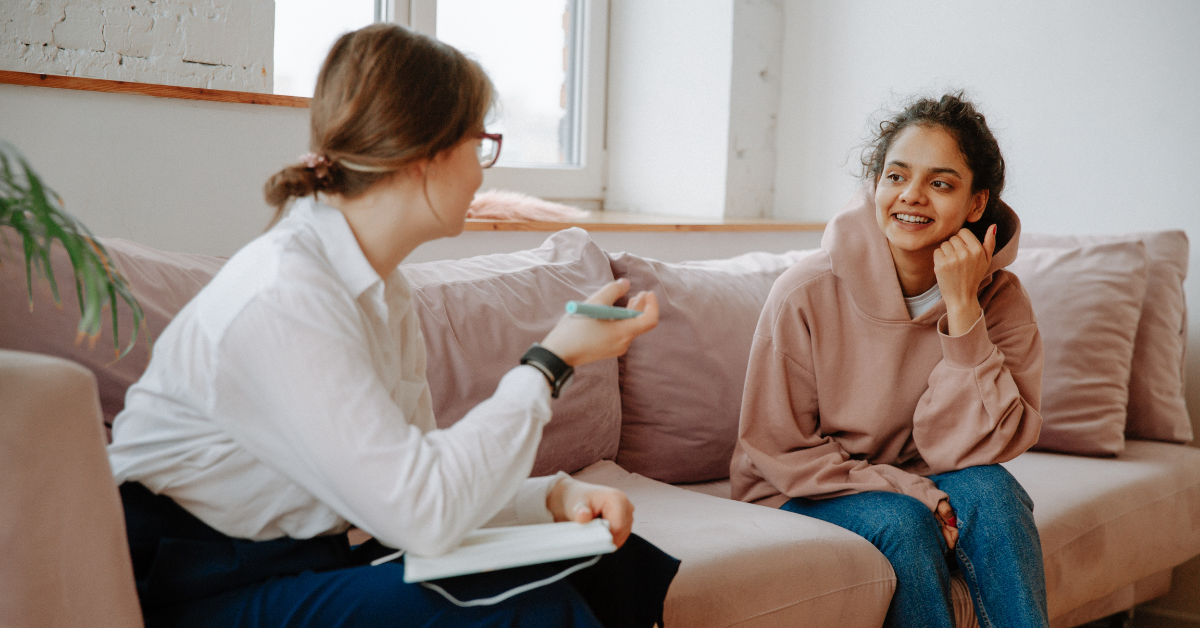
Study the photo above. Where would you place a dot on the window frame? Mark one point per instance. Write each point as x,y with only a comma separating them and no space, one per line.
584,184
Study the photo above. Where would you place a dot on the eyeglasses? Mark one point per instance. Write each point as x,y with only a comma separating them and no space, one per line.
489,149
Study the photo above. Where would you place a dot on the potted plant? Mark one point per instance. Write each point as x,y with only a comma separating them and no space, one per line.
36,215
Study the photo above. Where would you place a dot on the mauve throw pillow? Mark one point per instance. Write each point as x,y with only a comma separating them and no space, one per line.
162,282
1157,407
1088,301
480,314
681,384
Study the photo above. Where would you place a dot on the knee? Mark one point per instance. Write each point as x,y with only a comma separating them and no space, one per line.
990,489
905,522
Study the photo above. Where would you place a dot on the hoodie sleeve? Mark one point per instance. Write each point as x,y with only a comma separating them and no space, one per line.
779,435
983,400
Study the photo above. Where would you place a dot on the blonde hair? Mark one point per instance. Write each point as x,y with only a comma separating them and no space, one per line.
386,97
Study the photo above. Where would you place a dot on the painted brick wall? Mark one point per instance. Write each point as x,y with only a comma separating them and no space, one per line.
218,44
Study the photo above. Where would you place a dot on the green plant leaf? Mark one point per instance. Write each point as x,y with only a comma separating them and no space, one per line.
36,214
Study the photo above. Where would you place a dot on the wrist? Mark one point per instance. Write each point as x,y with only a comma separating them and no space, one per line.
556,371
960,317
553,346
556,497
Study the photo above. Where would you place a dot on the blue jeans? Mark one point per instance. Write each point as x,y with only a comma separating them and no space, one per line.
998,548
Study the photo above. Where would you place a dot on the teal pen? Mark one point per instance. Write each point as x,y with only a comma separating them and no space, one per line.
603,312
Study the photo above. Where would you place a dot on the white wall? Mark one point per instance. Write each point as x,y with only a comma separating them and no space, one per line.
218,44
185,175
693,92
668,106
180,175
755,81
1094,103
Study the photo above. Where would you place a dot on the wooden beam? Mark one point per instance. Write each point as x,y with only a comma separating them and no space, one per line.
146,89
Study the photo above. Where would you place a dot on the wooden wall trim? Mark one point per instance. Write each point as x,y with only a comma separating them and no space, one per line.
146,89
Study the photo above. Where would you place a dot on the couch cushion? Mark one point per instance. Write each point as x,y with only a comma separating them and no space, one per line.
1106,523
1156,386
680,423
1107,526
162,282
1088,301
478,316
751,566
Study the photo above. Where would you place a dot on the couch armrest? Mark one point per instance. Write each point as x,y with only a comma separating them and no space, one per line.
62,529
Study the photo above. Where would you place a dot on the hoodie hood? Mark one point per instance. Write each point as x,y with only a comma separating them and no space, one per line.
859,254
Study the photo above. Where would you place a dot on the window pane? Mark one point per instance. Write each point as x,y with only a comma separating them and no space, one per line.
305,31
526,48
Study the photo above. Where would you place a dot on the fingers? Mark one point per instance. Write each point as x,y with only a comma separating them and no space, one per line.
610,292
630,328
647,304
989,242
613,506
610,504
951,536
583,513
948,522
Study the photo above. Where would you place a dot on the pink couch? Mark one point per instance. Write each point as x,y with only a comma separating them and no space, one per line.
658,423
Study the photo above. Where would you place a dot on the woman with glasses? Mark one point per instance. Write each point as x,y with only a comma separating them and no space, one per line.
288,401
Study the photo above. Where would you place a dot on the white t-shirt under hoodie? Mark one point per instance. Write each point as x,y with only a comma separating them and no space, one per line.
923,302
289,399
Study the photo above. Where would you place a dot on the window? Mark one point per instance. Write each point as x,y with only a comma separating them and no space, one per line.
564,156
533,72
305,31
546,58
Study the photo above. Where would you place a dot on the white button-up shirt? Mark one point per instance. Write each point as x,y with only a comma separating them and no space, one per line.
289,399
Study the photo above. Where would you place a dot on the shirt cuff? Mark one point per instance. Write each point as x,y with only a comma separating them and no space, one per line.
531,499
931,495
968,350
526,385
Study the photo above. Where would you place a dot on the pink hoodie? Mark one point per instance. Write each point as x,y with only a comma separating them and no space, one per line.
846,394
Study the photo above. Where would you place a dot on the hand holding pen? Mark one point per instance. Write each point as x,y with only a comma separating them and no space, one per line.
589,335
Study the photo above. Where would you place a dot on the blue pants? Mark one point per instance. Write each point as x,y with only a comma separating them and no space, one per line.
189,574
998,549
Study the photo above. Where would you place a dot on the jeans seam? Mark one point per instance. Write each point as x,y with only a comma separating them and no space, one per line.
980,609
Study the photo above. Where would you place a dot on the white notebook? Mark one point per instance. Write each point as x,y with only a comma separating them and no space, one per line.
488,549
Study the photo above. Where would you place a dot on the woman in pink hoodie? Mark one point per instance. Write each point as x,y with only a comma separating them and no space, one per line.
894,370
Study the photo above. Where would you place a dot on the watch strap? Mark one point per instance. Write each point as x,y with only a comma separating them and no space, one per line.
556,371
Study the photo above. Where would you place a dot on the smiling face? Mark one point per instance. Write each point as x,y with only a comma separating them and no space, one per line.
923,196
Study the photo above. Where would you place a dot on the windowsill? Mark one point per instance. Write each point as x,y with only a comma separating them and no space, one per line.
622,221
147,89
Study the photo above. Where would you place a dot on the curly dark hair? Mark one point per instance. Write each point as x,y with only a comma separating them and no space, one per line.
960,118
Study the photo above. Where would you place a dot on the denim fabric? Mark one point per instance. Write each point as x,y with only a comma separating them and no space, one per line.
998,549
190,575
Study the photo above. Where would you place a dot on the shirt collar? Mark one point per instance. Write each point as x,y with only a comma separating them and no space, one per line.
341,247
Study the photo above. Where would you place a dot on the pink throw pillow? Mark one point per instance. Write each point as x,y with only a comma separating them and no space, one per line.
162,282
1157,406
480,314
1088,301
681,384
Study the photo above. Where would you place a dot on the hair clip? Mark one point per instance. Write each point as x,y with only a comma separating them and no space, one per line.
319,163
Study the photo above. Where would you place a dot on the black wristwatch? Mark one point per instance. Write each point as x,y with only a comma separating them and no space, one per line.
557,372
